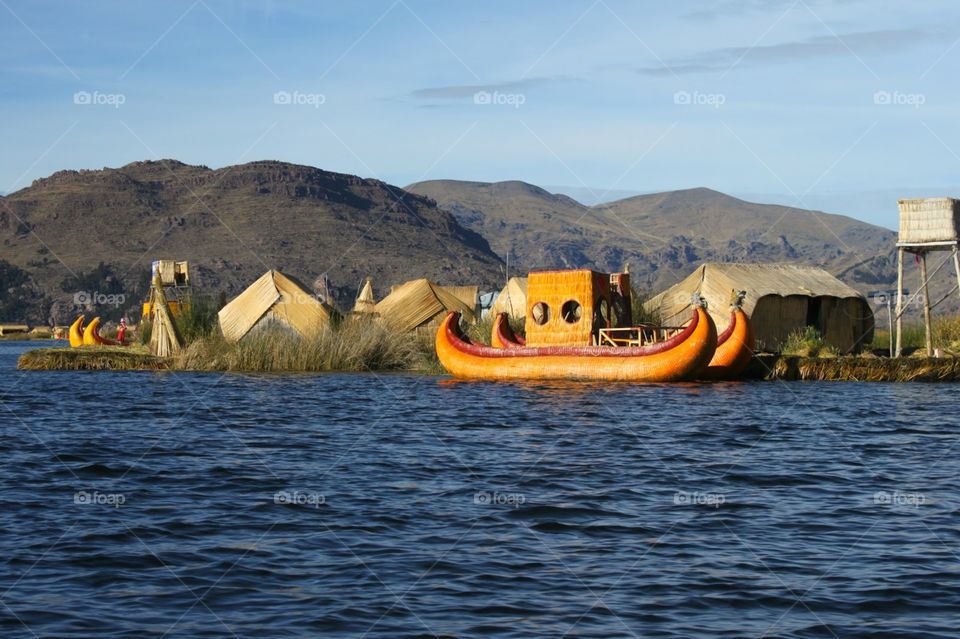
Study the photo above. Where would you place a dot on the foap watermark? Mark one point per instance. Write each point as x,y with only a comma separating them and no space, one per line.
298,498
495,98
298,98
95,98
97,498
697,498
494,498
897,98
96,298
697,98
899,498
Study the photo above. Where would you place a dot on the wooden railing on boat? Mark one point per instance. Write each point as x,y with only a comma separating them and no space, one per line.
639,335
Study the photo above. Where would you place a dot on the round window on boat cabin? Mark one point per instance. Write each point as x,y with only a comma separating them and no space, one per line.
540,313
571,311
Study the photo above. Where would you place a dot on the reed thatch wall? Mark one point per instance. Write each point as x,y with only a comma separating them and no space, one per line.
590,289
931,219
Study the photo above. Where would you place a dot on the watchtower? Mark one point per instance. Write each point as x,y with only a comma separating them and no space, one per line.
926,225
175,280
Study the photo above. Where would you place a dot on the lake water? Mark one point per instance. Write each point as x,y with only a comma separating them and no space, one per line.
202,505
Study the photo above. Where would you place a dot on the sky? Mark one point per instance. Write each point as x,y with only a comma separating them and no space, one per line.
837,105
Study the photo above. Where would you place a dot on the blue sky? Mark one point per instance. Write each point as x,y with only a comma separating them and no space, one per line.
840,105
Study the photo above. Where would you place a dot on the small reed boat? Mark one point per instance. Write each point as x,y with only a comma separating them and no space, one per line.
578,327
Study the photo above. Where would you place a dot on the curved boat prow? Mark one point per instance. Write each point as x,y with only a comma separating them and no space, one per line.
76,332
502,335
675,359
91,335
735,347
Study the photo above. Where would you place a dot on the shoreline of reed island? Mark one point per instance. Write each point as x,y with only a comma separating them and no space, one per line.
268,353
363,344
255,359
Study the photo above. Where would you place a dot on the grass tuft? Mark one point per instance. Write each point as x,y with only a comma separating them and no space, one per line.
807,342
355,344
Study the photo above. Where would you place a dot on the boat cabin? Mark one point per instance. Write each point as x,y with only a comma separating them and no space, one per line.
576,308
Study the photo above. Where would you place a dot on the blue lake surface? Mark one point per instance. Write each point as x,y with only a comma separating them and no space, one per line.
206,505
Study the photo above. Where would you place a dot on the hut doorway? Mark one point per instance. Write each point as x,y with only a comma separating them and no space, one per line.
814,307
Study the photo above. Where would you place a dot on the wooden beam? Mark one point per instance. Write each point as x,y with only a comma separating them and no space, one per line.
926,303
956,264
899,350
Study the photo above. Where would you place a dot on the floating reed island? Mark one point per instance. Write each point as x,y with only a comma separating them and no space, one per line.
280,353
92,358
278,325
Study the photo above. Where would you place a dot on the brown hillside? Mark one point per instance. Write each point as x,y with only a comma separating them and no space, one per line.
232,224
663,236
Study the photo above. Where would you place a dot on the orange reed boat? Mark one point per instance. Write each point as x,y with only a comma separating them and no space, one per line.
578,327
675,359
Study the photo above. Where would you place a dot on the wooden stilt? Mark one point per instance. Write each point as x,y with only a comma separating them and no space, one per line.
926,302
899,350
956,265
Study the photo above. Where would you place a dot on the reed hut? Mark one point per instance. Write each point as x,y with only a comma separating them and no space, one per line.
780,300
365,303
512,299
421,304
10,329
469,295
274,299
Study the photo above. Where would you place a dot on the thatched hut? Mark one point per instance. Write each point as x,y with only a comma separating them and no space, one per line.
469,295
781,299
365,303
274,299
512,299
420,303
10,329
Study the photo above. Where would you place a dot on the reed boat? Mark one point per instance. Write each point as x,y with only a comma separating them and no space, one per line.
735,347
678,358
578,326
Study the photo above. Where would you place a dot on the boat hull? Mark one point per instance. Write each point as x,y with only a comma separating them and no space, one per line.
676,359
735,347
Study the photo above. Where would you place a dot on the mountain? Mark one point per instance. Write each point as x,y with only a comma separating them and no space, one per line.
98,230
663,236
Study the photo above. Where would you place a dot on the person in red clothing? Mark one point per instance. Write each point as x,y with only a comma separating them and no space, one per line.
122,331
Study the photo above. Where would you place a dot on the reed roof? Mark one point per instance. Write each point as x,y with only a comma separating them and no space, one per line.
469,295
715,281
512,299
276,297
365,302
417,302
